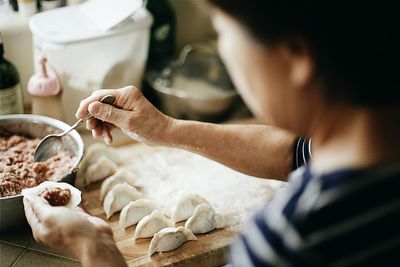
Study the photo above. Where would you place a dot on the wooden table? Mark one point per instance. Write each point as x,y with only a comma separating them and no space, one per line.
210,249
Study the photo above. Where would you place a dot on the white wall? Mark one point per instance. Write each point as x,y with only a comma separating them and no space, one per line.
18,46
193,21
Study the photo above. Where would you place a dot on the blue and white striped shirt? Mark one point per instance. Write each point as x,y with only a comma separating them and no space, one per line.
345,218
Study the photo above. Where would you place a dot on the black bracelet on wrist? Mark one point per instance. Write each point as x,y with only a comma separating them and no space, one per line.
302,152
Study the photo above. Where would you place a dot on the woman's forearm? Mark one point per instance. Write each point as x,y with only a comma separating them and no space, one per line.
262,151
99,252
258,150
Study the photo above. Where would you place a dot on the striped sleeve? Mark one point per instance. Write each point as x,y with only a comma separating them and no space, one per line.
346,218
269,237
302,152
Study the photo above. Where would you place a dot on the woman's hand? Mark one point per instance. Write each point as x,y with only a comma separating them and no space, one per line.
132,113
88,238
257,150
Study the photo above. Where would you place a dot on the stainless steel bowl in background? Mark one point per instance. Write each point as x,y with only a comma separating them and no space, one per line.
184,106
199,66
12,214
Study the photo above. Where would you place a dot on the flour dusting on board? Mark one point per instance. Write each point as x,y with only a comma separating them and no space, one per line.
168,174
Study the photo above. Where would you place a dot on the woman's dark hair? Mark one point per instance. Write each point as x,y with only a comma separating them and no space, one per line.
353,43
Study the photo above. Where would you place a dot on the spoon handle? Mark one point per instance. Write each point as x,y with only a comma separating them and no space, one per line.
76,124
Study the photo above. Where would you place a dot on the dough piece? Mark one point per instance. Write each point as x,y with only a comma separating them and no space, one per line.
103,168
185,207
151,224
36,193
92,156
132,213
121,176
204,220
118,197
170,238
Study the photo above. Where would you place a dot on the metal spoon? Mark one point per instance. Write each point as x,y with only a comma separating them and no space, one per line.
52,143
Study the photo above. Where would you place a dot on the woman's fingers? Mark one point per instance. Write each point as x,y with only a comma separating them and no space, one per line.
97,132
30,215
95,96
99,223
101,129
107,137
38,229
91,123
83,106
102,132
109,113
37,209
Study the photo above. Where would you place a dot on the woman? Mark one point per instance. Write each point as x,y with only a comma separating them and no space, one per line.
324,70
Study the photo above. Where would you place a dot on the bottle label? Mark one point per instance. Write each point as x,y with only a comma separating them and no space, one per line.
11,100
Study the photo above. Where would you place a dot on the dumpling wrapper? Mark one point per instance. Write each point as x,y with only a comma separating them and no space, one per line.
170,238
204,220
134,211
185,207
121,176
34,194
151,224
119,196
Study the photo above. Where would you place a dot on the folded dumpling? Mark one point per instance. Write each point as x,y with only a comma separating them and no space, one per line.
134,211
91,161
121,176
54,193
103,168
170,238
185,207
204,220
118,197
98,150
151,224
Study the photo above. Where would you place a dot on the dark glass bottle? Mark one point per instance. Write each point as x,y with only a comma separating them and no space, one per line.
10,89
162,36
14,5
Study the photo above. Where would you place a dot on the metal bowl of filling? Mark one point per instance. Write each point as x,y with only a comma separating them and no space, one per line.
19,135
195,86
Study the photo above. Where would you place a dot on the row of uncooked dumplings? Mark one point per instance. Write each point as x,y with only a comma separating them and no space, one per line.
118,193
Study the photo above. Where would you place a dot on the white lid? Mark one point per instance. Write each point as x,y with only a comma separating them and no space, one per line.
69,25
107,14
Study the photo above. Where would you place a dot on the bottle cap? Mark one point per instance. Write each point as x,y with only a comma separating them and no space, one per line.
46,83
27,8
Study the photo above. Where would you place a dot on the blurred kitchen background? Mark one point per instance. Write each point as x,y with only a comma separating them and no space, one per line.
64,50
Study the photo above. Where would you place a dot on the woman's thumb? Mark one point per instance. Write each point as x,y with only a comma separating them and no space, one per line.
108,113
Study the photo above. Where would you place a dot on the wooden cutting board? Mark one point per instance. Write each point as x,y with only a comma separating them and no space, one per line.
210,249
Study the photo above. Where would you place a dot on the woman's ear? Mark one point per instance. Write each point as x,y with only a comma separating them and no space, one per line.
299,61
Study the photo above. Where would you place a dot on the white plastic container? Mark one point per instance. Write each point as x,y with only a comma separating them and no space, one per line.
87,58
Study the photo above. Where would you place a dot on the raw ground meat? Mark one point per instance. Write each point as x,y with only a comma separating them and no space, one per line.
57,196
18,169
